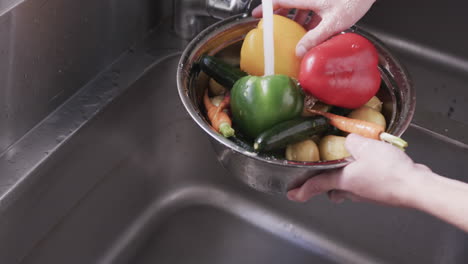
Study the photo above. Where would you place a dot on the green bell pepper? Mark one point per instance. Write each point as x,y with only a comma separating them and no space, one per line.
258,103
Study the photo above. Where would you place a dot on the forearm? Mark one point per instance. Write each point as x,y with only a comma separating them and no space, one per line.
442,197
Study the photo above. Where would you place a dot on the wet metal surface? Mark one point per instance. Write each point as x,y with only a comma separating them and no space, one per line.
140,206
49,49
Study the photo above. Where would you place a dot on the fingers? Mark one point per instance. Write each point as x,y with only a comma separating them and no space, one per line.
257,12
289,4
301,4
316,185
314,37
301,16
315,19
283,11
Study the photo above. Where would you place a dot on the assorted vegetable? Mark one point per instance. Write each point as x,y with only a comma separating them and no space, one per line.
216,88
223,73
258,103
342,71
368,114
287,34
219,119
333,148
305,120
375,104
290,131
362,128
306,150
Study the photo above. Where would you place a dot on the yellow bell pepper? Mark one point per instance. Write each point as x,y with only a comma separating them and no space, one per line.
287,34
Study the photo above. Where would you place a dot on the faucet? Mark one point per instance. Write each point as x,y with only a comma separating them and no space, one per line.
192,16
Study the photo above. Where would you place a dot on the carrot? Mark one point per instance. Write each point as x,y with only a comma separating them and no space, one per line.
362,128
218,118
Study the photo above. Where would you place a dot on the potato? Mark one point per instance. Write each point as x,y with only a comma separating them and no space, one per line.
216,101
333,148
305,150
216,88
375,104
368,114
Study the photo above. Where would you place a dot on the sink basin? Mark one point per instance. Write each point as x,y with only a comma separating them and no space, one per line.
168,201
135,180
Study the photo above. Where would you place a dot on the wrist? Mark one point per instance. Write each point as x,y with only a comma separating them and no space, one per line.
423,182
420,180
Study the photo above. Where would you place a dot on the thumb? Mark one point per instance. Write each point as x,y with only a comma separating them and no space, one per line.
314,37
358,146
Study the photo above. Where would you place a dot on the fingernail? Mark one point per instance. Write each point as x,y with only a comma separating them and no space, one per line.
301,51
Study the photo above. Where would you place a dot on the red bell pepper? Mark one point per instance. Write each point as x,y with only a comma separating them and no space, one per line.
342,71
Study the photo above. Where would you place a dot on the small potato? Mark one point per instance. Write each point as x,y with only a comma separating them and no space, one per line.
375,104
305,150
216,88
216,101
333,148
368,114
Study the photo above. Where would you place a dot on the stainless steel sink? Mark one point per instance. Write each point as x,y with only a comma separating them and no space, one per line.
119,173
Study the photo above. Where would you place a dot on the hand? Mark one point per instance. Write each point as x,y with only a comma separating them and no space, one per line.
330,17
380,173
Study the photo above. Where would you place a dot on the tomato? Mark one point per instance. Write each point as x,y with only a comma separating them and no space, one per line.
342,71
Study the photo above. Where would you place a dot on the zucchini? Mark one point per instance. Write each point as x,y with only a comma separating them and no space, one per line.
279,136
223,73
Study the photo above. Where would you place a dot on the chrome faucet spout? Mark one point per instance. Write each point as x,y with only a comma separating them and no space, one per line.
192,16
